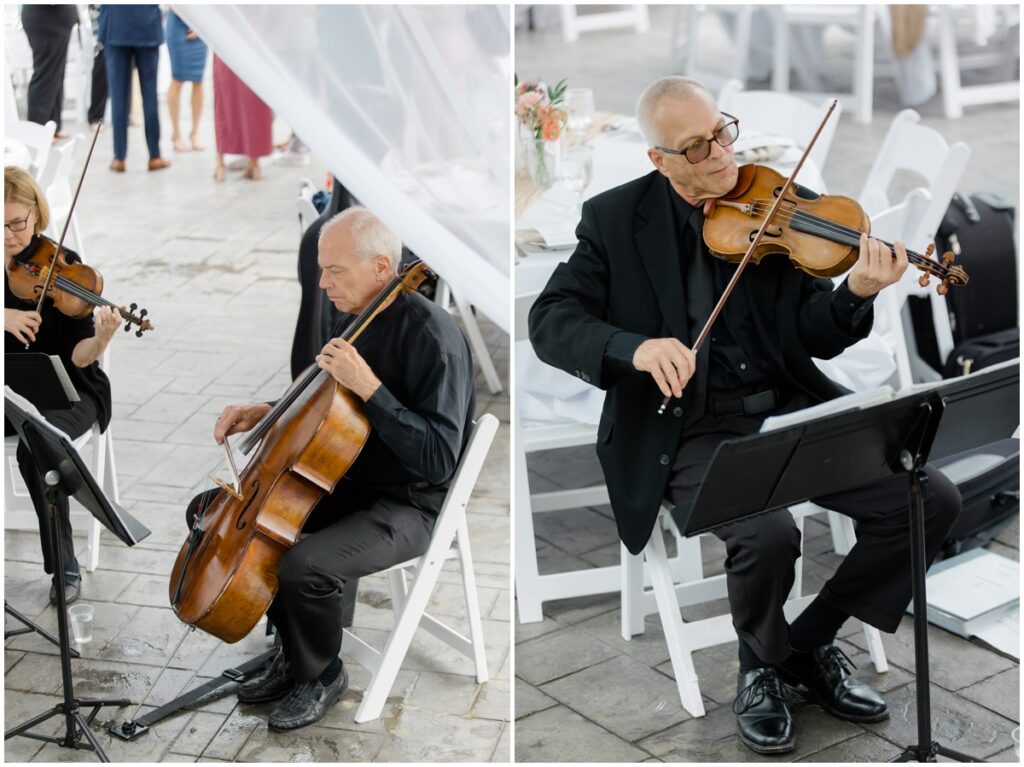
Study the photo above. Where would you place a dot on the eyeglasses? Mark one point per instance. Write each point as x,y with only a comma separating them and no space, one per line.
699,151
19,224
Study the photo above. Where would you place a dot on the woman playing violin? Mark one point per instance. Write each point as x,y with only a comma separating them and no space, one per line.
79,343
624,312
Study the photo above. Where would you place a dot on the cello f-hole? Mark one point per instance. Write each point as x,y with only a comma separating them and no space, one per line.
240,521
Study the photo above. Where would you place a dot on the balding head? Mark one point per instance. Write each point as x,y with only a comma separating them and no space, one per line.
368,235
672,88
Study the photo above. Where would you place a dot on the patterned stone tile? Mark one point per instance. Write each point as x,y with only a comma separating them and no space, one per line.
560,734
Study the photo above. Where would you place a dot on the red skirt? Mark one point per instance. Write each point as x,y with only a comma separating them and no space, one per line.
241,120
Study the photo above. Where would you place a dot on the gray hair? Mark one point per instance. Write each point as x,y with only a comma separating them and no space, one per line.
371,237
673,86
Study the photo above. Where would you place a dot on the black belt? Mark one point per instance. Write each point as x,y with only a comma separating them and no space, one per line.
752,404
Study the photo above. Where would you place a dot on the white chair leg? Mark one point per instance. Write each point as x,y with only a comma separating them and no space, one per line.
949,65
798,567
863,78
399,590
873,640
476,630
528,588
843,535
631,569
476,342
401,637
672,625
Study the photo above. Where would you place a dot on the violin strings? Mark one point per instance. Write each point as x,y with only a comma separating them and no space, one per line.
827,226
69,286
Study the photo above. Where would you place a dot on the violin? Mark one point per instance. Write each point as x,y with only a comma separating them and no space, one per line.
73,286
820,233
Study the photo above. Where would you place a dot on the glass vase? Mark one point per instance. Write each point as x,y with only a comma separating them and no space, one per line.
542,161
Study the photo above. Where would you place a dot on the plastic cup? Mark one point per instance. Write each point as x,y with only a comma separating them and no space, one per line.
1016,740
81,622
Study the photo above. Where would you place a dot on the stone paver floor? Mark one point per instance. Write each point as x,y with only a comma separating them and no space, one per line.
215,265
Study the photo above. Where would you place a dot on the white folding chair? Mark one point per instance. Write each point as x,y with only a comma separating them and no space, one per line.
1005,55
56,184
782,114
634,16
449,539
18,512
447,299
738,63
38,139
668,594
860,19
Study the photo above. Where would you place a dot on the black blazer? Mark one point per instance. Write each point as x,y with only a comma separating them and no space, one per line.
626,275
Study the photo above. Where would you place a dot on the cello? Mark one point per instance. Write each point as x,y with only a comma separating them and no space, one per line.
225,575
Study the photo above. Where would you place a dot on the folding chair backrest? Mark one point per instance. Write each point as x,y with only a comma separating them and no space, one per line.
909,146
470,463
56,179
781,114
38,139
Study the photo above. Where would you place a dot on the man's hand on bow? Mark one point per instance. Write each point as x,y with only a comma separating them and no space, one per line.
669,362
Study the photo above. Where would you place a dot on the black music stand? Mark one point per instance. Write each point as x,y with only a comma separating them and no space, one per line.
66,475
849,449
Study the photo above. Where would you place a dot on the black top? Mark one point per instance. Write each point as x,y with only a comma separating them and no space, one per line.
59,334
422,414
628,280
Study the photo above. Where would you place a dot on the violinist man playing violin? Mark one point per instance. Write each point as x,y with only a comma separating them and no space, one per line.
622,314
413,371
79,343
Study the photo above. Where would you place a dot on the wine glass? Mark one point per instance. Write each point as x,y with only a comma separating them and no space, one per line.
577,170
579,102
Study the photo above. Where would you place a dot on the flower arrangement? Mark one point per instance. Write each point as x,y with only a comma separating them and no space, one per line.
538,110
541,122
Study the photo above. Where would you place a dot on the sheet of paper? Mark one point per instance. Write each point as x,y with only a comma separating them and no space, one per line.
975,586
1002,633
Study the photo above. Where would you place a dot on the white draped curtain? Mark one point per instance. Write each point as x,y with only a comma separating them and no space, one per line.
408,106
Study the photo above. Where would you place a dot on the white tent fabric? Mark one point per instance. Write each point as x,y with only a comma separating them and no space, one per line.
407,105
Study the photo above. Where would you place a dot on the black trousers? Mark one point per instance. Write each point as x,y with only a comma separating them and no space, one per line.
872,583
98,95
49,32
351,533
74,422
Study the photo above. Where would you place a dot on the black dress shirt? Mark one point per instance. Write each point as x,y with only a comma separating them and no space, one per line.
422,413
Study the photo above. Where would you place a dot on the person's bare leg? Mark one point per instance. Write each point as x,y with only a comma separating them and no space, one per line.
218,170
197,112
174,107
252,170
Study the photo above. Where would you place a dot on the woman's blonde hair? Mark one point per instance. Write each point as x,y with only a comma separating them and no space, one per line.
22,189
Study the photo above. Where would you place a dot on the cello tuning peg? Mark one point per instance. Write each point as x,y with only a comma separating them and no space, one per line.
929,250
923,282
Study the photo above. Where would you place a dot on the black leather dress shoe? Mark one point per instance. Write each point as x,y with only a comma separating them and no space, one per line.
307,703
72,588
762,716
823,677
274,682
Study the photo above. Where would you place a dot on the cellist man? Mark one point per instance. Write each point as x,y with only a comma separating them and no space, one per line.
622,313
413,371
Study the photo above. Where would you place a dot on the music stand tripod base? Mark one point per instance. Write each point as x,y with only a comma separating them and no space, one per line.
77,733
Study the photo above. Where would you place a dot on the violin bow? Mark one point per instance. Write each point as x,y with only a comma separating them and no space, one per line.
67,220
754,243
